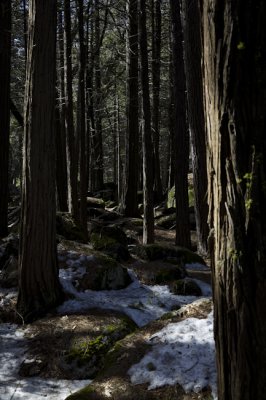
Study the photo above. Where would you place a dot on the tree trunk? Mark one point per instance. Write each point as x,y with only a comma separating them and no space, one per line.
61,158
71,140
235,94
193,57
148,222
39,287
97,142
5,54
156,78
181,144
132,168
82,122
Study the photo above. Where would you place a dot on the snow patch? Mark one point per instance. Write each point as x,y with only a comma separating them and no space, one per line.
181,353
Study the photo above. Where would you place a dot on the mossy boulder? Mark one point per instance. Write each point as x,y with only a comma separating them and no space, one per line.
158,272
102,237
186,287
166,221
87,355
104,273
173,254
95,202
68,228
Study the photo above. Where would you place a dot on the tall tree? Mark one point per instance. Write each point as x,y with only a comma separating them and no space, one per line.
181,139
235,93
39,287
61,157
156,78
82,121
148,222
5,54
132,168
71,140
193,58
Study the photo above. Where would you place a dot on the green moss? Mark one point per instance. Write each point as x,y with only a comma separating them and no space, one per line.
101,241
83,394
171,197
106,260
83,352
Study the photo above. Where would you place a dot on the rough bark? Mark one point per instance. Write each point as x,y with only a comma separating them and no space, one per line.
148,221
82,122
132,170
39,287
156,78
196,117
71,140
61,157
181,144
235,94
5,54
97,138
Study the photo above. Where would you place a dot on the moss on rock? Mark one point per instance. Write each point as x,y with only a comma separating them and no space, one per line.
172,254
186,287
68,228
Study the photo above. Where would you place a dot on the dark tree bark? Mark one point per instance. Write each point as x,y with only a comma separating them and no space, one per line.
39,287
156,78
61,157
82,122
16,114
181,144
97,137
148,221
132,167
235,93
193,58
71,140
5,54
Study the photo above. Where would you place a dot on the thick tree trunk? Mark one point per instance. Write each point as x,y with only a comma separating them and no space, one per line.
156,81
235,93
97,142
39,287
193,58
5,54
132,168
82,123
148,221
181,144
61,157
71,140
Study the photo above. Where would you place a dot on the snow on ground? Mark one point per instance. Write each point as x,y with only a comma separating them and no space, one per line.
13,351
142,303
181,353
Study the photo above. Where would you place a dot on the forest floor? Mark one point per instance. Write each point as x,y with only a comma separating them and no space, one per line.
166,353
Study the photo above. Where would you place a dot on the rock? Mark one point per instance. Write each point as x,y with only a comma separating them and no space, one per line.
8,247
87,356
158,272
166,221
102,237
118,252
186,287
173,254
32,367
93,202
68,228
9,273
104,273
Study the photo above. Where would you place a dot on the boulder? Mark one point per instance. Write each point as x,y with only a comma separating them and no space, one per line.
158,272
102,237
103,273
68,228
173,254
166,221
95,202
186,287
